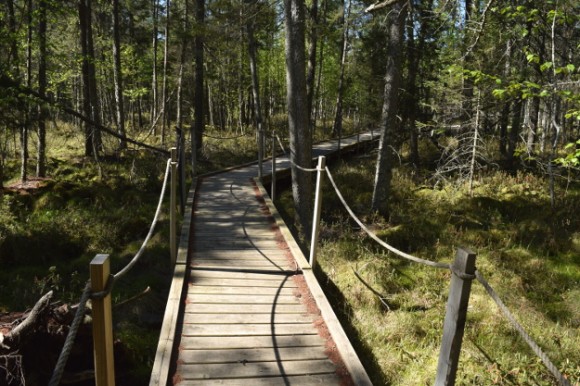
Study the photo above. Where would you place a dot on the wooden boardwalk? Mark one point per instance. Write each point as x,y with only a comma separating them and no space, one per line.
244,307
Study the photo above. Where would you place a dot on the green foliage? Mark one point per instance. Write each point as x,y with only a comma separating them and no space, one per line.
523,248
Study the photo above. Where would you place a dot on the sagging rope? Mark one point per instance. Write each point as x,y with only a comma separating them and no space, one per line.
533,345
65,352
376,238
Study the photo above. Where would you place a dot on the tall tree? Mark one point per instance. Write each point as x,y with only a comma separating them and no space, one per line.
300,139
198,123
41,146
252,49
337,127
311,69
117,76
389,122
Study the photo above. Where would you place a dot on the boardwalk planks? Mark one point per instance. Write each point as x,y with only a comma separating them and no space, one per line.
247,317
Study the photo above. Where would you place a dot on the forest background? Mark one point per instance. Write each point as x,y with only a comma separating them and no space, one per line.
477,102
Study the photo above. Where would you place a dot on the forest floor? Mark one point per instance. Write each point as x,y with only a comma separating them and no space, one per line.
51,229
527,250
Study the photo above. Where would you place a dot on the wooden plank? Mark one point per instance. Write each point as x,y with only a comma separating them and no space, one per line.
252,355
203,281
255,369
233,244
225,274
221,330
239,255
198,289
347,352
241,299
204,308
266,341
241,263
266,267
246,318
301,380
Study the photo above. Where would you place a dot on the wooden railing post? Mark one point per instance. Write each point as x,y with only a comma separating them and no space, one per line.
100,269
260,150
173,208
273,186
463,269
317,210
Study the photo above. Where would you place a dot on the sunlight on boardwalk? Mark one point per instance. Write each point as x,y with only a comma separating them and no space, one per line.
244,307
244,320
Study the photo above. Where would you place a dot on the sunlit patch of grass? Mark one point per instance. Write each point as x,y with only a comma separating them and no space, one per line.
526,250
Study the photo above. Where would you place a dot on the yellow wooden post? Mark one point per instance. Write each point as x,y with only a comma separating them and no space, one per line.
172,208
100,269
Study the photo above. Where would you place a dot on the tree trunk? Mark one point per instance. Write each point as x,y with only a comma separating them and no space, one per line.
389,122
154,82
311,69
41,145
182,55
92,137
252,49
118,80
337,127
164,110
25,125
514,133
534,112
300,140
198,124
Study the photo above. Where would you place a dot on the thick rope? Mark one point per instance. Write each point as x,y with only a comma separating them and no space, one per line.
70,338
377,239
62,360
533,345
130,265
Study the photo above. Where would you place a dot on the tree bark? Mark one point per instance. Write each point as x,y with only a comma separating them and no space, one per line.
118,78
337,127
154,81
300,139
389,122
198,124
41,144
311,69
255,81
164,109
184,40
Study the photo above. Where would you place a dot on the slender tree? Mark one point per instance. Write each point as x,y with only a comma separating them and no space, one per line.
117,76
300,139
198,123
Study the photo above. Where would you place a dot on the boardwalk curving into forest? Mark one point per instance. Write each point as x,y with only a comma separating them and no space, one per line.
244,307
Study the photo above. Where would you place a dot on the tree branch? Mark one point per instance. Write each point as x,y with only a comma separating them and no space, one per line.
377,6
6,82
14,336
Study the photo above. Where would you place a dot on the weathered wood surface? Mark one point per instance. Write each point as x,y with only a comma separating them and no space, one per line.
247,315
244,315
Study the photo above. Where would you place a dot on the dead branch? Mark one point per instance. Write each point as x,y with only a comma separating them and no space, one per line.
30,322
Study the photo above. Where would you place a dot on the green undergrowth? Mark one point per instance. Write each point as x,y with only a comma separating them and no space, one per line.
527,251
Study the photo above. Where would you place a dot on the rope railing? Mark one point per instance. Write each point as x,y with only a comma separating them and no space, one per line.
376,238
89,294
518,327
458,298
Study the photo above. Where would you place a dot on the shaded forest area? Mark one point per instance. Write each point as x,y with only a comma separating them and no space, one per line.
468,96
